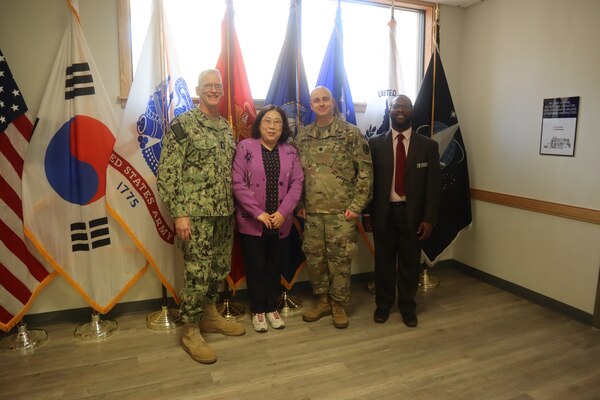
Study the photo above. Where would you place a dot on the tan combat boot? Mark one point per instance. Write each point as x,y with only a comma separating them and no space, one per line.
193,343
213,322
340,320
320,309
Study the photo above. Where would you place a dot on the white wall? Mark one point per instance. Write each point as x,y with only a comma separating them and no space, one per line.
508,56
31,32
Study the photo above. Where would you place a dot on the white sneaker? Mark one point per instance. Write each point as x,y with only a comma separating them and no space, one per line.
275,320
259,322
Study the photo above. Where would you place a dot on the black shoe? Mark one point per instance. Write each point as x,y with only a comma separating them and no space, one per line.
409,319
381,315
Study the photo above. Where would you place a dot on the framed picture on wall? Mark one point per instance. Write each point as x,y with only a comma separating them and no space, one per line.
559,125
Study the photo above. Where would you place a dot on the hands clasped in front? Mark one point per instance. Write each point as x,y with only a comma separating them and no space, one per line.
271,221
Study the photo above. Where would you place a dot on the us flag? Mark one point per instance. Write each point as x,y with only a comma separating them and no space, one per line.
22,276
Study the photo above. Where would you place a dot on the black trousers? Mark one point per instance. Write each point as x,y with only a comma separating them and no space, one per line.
262,259
397,262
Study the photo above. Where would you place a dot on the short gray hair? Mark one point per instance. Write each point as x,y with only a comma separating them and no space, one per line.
208,72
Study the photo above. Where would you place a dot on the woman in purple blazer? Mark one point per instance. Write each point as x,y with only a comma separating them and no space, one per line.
267,184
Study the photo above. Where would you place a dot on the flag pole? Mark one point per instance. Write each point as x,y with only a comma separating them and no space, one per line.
228,309
287,303
298,5
96,329
165,68
164,319
427,281
436,31
161,56
371,284
228,51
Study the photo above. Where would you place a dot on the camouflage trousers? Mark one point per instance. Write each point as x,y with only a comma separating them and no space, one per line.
207,261
329,245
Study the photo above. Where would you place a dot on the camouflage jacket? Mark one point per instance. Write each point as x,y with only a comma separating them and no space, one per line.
338,171
194,173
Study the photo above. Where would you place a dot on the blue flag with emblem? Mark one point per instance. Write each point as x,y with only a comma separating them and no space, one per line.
289,90
333,73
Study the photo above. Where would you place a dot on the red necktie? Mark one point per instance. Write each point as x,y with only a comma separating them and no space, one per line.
400,163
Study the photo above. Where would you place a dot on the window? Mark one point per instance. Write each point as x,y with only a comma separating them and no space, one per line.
365,42
261,25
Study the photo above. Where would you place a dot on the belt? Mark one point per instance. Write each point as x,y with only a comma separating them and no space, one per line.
397,203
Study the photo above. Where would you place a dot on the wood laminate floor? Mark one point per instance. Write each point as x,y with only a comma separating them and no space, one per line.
473,341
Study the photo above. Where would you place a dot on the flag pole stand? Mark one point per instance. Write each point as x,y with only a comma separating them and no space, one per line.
25,340
427,281
166,319
229,310
97,329
288,304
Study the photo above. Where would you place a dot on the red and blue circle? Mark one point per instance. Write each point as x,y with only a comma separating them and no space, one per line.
76,160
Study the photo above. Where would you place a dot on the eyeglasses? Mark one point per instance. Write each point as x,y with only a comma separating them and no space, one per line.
269,122
213,86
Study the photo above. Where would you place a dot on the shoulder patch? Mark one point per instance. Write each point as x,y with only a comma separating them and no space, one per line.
366,148
179,132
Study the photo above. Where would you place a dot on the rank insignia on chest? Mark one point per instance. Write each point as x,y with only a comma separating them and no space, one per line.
222,146
179,132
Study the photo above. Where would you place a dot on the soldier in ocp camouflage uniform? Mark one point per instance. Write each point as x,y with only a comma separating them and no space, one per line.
194,182
338,178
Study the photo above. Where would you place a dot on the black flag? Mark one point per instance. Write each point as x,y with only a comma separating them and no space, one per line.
454,215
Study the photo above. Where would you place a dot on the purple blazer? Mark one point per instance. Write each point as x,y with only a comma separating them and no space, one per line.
250,185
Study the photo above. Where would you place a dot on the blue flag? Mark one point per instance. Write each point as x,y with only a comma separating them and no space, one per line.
333,73
289,88
434,107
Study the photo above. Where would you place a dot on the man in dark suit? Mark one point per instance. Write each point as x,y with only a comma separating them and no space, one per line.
406,197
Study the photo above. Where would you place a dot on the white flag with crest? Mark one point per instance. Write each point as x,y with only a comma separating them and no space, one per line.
377,114
157,95
64,179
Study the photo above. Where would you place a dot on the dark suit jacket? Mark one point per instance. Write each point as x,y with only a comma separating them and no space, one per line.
422,180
